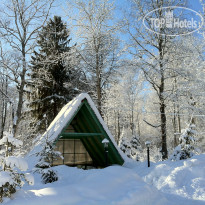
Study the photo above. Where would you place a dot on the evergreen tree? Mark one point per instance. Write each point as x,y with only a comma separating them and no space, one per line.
54,77
130,144
47,156
185,149
125,146
136,147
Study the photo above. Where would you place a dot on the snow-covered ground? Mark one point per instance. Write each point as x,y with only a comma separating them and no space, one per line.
164,183
181,181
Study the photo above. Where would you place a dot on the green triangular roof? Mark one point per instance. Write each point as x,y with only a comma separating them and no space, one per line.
82,115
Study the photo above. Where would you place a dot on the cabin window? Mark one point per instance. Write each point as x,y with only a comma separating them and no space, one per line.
73,151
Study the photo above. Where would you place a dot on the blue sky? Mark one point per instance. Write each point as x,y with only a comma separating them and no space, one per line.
61,6
195,5
62,10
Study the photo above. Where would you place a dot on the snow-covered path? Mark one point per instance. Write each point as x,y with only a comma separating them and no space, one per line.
164,183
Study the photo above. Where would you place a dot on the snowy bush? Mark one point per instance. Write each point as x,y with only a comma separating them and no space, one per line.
185,149
47,156
135,147
49,176
125,146
130,145
11,176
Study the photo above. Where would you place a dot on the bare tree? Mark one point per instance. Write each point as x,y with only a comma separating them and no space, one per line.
122,101
19,24
149,51
98,46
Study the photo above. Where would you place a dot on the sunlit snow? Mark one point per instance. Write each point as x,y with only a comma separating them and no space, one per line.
164,183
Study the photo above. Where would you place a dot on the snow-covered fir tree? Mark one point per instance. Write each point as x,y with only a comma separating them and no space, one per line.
125,146
186,148
130,145
44,166
54,79
11,167
136,147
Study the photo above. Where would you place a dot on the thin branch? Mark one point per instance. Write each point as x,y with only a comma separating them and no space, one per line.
155,126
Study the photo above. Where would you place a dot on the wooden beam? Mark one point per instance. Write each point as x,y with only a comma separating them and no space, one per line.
79,135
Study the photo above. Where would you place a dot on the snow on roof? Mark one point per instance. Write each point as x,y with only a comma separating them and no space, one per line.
66,114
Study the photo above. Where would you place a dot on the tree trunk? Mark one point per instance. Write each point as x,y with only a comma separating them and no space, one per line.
4,107
20,92
98,84
175,126
162,103
4,115
118,128
179,119
115,119
163,131
138,124
132,122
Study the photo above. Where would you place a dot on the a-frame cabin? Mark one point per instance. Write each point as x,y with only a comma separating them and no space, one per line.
78,131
